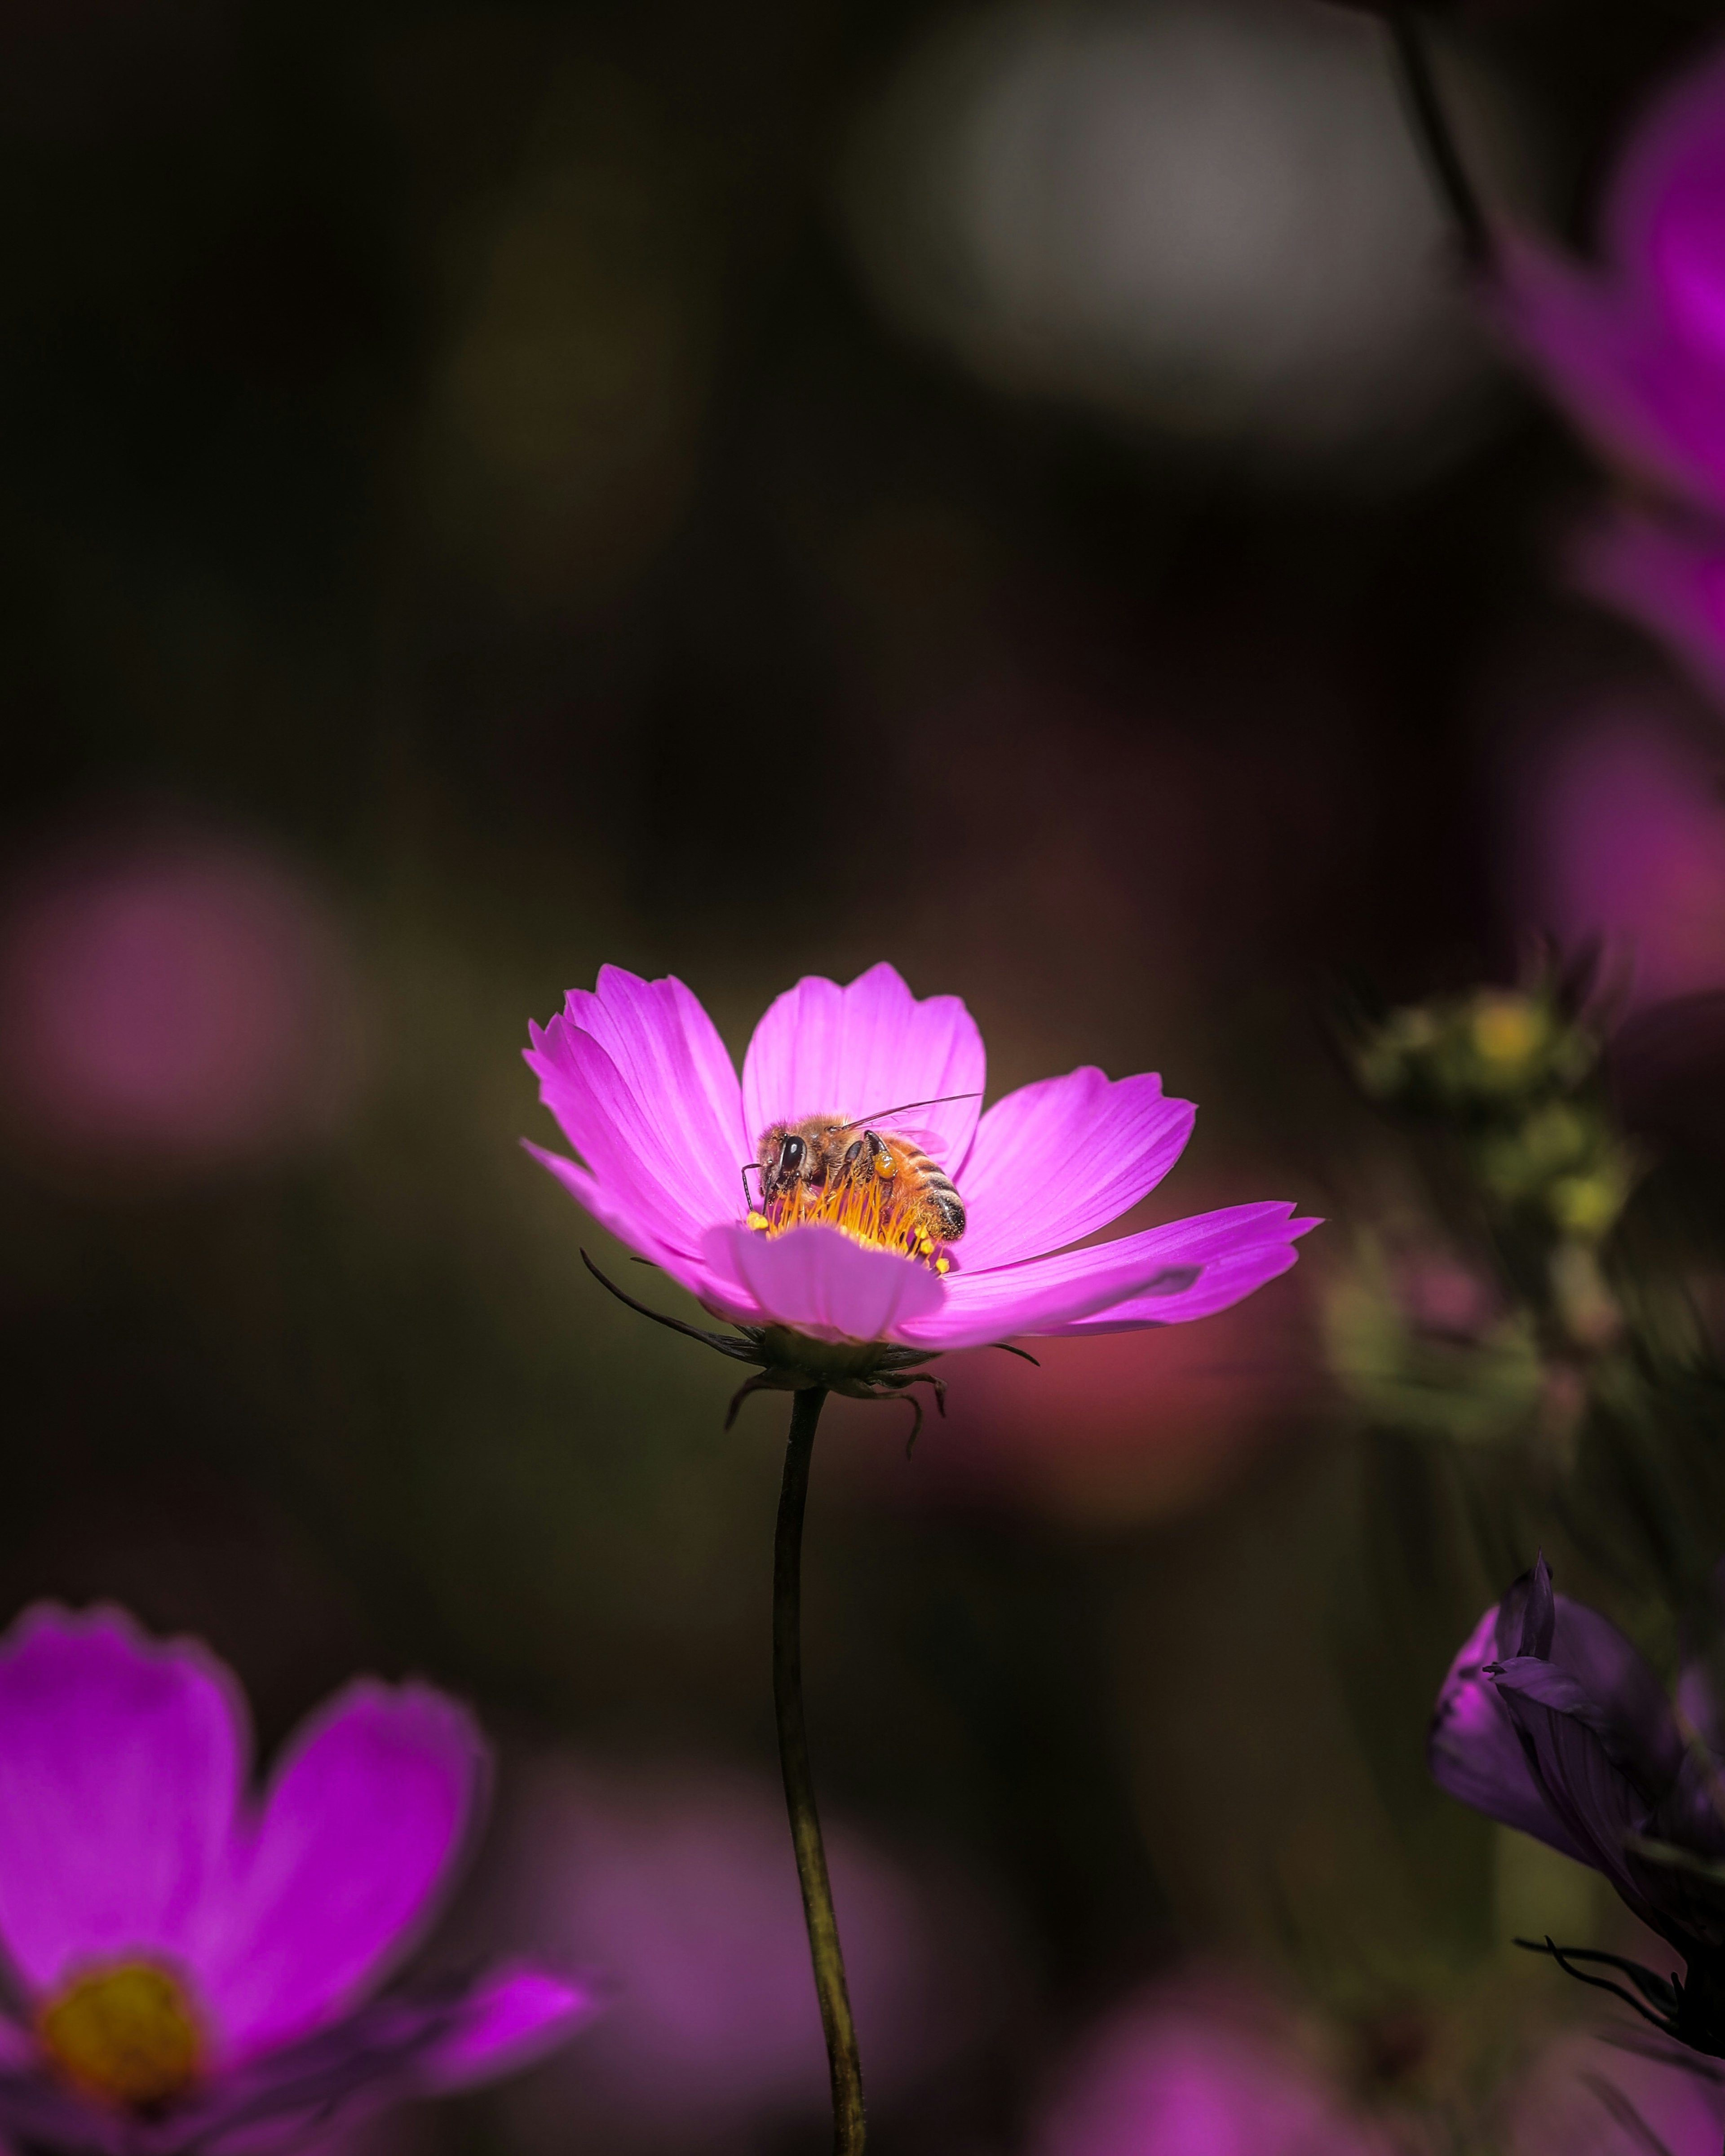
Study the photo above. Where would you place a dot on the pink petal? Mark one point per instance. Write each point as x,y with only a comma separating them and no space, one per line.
511,2017
1048,1295
1475,1754
638,1078
121,1761
821,1282
1263,1249
1057,1160
1647,398
362,1823
860,1050
611,1210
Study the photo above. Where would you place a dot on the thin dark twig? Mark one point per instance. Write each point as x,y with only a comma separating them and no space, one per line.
844,2062
740,1349
1647,1981
1431,124
1599,1983
760,1383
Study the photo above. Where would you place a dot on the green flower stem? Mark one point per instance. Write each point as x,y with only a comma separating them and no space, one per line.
844,2063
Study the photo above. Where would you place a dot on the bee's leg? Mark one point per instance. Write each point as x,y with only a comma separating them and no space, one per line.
880,1155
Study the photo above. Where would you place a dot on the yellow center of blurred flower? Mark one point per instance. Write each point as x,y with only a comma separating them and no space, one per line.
881,1211
126,2032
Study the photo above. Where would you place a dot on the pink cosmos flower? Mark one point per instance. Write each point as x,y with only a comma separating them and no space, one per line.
194,1963
640,1082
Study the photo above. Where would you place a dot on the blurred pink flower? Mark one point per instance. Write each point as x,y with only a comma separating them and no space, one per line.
1199,2071
1668,574
174,998
1620,834
1588,2096
676,1884
192,1964
1635,350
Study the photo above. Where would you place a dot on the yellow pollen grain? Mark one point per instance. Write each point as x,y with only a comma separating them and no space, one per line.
125,2032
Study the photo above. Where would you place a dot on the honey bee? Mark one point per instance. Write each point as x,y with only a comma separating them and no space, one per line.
878,1183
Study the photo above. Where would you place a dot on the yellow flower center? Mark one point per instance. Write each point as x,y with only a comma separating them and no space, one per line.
880,1210
125,2031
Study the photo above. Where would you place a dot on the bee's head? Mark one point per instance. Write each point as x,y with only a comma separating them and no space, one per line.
785,1159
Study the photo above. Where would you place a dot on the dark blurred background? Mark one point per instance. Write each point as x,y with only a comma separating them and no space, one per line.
1017,489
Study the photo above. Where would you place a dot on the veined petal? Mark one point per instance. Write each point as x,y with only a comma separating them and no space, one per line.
1252,1246
862,1049
362,1822
639,1080
1057,1160
1475,1753
820,1282
1049,1294
1585,1790
122,1760
1632,1711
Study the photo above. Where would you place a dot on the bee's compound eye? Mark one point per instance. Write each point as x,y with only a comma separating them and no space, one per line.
790,1155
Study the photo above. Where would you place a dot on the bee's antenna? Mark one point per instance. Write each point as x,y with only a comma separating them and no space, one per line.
880,1115
748,1196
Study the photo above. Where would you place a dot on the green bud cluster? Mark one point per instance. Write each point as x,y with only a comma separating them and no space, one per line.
1508,1071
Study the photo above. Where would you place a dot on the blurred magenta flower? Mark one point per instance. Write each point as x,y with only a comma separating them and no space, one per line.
193,1965
1618,832
642,1086
1550,1720
171,996
1668,573
1636,351
674,1880
1585,2097
1200,2071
